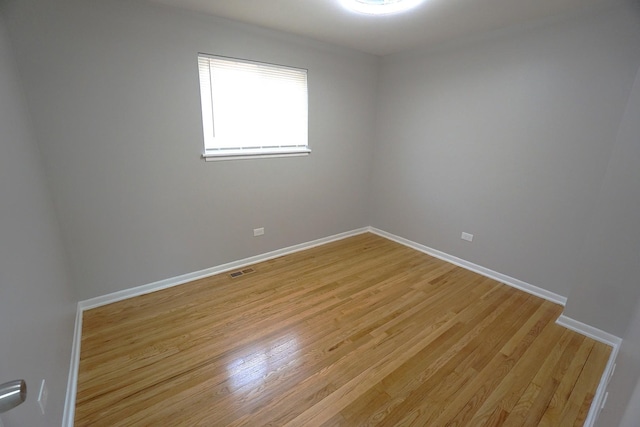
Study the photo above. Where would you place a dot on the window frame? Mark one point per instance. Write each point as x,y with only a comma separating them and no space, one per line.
247,152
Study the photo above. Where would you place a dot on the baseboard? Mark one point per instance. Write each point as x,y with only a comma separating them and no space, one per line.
69,410
589,331
603,337
189,277
72,382
507,280
567,322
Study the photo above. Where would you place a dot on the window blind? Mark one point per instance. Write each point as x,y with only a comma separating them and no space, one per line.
252,108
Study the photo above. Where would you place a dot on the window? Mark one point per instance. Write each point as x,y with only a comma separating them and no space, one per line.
252,109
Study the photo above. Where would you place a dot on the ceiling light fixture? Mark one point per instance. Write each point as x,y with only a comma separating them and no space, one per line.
380,7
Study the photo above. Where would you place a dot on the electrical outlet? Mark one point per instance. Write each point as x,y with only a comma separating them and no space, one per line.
42,396
466,236
258,231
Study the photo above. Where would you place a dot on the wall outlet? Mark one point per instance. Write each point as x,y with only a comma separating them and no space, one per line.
468,237
42,396
258,231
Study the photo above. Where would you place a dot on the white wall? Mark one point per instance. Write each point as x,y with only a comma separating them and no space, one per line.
37,308
113,86
632,412
522,137
507,136
610,274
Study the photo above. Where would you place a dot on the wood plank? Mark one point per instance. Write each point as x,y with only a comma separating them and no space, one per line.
361,331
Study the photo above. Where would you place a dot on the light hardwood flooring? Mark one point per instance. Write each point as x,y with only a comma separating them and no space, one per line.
358,332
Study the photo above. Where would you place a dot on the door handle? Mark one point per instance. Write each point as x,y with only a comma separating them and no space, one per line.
12,394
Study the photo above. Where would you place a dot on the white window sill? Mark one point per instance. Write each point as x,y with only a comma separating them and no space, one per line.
217,157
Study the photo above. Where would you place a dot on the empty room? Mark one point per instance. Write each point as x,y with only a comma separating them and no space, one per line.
319,212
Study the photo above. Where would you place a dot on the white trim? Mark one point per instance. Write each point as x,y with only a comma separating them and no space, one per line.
507,280
599,398
72,382
603,337
217,157
567,322
589,331
189,277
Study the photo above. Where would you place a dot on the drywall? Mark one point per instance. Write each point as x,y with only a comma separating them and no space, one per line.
632,413
507,137
610,273
114,88
37,308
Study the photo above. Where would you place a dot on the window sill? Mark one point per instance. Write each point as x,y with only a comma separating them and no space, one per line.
217,157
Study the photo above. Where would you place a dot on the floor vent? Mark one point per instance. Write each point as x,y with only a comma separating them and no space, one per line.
241,272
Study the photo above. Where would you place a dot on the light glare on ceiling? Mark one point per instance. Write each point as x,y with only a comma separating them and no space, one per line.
380,7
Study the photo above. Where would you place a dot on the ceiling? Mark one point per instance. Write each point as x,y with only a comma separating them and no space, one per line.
434,21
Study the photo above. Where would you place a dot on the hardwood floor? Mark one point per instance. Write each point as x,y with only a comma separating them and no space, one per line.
362,331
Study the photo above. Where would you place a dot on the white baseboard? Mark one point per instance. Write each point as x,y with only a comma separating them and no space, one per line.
189,277
589,331
603,337
507,280
72,382
565,321
69,410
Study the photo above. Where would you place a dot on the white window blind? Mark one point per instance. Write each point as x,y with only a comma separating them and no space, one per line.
252,108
